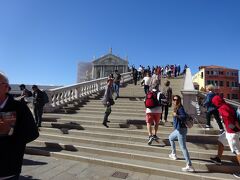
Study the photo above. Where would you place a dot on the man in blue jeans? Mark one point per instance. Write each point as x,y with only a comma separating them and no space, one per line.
116,83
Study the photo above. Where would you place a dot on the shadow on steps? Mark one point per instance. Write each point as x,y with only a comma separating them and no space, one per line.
140,124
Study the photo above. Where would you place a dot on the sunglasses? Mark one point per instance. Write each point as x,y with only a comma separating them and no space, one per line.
175,99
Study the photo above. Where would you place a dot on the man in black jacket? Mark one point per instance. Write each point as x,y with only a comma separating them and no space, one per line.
116,83
38,104
17,128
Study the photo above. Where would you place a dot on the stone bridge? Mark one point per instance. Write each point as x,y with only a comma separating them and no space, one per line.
72,130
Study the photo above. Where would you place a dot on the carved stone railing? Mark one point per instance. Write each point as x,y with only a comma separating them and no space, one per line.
62,96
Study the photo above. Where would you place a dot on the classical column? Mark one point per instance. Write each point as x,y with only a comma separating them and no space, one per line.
93,72
102,72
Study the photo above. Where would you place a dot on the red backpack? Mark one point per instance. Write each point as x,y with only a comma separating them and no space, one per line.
151,100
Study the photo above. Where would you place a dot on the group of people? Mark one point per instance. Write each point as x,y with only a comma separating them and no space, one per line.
216,106
154,115
39,100
169,71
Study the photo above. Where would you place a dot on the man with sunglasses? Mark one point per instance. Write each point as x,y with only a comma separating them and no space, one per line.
17,128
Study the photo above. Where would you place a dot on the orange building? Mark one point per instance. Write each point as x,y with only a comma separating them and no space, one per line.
225,80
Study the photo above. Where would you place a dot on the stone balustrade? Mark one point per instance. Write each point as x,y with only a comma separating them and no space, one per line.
61,96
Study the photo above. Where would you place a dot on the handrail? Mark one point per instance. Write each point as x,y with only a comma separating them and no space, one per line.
61,96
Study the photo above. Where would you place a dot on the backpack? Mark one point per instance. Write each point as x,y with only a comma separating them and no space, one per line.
237,111
189,121
45,97
236,118
151,100
29,93
163,100
118,77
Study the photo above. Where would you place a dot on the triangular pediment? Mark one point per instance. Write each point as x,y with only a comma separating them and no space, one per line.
110,59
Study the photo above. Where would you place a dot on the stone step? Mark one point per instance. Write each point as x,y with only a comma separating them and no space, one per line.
194,138
114,113
116,121
155,150
118,108
143,147
119,103
130,139
72,123
122,153
137,92
114,108
133,158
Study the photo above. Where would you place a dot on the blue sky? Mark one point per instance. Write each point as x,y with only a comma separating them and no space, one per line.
42,41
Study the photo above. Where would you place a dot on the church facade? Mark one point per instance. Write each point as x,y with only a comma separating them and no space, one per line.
101,67
107,64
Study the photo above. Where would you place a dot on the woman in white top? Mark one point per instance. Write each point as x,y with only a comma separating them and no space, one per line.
146,81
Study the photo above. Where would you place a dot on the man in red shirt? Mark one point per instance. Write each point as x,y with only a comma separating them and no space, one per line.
231,136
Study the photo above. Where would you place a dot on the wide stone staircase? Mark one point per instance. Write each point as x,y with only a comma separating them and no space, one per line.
76,132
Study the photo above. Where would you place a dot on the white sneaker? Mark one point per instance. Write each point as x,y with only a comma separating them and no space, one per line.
188,169
173,156
236,175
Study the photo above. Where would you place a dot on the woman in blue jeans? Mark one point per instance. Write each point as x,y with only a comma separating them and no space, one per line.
180,133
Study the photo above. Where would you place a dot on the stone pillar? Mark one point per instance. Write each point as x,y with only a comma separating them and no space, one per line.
189,94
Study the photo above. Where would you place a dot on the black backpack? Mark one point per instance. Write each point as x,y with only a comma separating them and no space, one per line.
45,97
119,77
28,93
163,100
